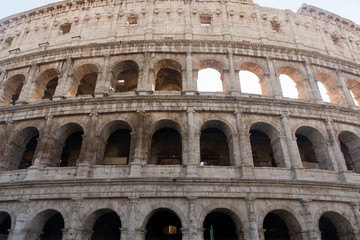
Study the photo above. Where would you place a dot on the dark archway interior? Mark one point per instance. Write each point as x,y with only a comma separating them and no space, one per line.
127,78
71,151
214,147
275,228
223,226
50,88
327,229
166,148
118,147
262,152
163,225
307,153
87,84
107,227
168,80
348,159
27,157
5,225
53,228
17,92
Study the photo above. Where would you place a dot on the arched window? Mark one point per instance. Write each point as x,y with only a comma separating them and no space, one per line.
12,89
331,87
354,88
5,225
350,147
210,76
219,225
107,225
334,226
46,84
126,75
166,147
292,83
118,148
164,224
48,224
280,224
85,78
323,92
168,75
252,79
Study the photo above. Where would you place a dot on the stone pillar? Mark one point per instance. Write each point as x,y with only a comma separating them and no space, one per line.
188,22
252,224
143,82
292,147
345,92
19,232
193,233
136,165
5,147
273,80
234,81
335,147
355,208
62,87
132,220
192,160
311,233
103,82
29,85
190,84
74,230
314,89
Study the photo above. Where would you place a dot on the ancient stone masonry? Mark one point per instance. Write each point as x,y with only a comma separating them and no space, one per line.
107,132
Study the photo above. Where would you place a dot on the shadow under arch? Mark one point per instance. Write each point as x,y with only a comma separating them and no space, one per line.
12,89
46,82
334,226
5,224
125,76
168,75
84,80
350,147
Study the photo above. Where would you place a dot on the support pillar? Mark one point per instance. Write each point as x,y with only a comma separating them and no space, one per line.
311,233
314,89
244,146
273,80
136,165
29,85
234,84
348,99
132,220
63,82
104,80
193,162
252,224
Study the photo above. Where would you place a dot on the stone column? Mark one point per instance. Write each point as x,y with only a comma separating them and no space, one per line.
246,162
19,232
345,93
136,165
74,230
190,84
103,82
292,147
234,81
273,81
192,160
355,208
132,220
339,157
143,82
193,233
308,220
252,224
62,87
314,89
29,85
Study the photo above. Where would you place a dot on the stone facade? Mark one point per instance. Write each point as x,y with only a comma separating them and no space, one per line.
100,114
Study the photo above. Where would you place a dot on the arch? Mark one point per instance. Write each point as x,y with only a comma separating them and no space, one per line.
281,224
125,75
168,75
12,89
104,224
114,146
266,145
5,224
258,71
215,144
47,224
313,148
334,226
46,84
163,224
208,83
354,88
297,77
223,224
85,78
332,88
67,145
350,147
22,148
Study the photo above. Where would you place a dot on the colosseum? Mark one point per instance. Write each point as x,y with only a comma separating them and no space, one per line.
106,132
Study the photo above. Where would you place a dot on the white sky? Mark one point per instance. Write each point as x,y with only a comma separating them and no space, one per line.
346,8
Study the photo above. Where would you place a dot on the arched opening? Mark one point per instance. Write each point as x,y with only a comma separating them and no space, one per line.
219,225
210,76
12,89
333,226
281,225
164,224
168,75
354,88
126,75
252,79
313,149
47,225
22,149
85,78
117,149
266,146
293,84
166,147
107,225
323,92
332,88
66,146
5,225
46,84
350,147
214,145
